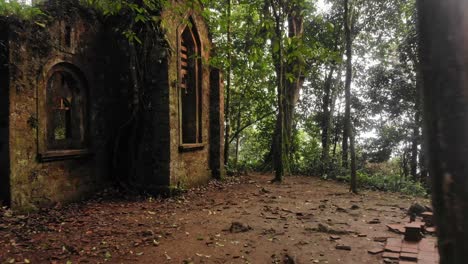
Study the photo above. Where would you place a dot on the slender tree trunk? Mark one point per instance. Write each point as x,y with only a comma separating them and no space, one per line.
414,146
424,175
416,137
349,74
344,140
278,149
443,28
327,113
228,87
238,134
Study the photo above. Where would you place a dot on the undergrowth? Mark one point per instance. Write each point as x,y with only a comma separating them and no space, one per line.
388,183
15,8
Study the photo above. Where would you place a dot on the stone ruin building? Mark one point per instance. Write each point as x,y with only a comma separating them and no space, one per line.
67,99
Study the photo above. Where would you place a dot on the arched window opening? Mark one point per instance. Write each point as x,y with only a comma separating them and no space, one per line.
190,86
65,108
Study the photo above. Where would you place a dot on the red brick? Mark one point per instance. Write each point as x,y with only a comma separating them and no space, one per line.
427,245
409,256
396,242
410,250
414,225
392,248
427,256
410,244
375,251
427,214
427,262
396,228
391,255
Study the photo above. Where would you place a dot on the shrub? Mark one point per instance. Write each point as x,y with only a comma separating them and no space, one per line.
388,182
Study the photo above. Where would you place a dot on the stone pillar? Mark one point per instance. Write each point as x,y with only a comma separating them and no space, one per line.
217,123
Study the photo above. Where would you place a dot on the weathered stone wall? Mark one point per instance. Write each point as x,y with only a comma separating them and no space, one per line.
217,124
188,167
75,38
33,51
4,113
153,161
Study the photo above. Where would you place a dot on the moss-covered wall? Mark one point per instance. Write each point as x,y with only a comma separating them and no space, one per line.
4,113
103,59
34,50
217,124
188,167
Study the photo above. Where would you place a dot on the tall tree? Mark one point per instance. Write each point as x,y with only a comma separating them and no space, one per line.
443,29
348,13
289,67
278,11
228,84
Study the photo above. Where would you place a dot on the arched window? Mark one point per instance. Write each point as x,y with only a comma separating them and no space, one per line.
190,77
65,109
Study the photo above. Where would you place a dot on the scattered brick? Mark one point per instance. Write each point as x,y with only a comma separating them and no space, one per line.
410,250
399,229
410,244
394,242
391,255
413,231
409,256
343,247
375,251
428,218
380,239
430,230
390,248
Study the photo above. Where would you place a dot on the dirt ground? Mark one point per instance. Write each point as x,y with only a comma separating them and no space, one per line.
242,220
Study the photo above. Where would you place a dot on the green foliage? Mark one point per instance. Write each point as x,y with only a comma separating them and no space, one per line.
307,154
386,177
20,10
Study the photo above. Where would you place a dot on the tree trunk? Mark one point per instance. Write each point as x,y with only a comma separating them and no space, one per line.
290,90
414,146
349,75
278,60
443,29
325,124
416,137
228,87
236,160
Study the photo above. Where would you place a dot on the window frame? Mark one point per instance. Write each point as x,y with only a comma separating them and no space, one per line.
190,25
45,151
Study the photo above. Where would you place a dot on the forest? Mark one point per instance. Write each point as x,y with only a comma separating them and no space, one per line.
319,88
325,88
328,89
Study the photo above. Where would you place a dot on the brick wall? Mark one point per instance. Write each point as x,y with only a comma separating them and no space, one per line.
34,51
4,113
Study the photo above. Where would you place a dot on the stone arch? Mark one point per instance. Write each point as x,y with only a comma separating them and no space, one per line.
63,115
190,76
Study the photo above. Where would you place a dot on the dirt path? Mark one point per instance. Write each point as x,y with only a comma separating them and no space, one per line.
294,220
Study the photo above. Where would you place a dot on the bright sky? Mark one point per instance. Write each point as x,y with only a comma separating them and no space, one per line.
322,6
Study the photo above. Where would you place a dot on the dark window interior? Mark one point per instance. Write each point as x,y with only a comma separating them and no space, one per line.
190,87
65,111
68,36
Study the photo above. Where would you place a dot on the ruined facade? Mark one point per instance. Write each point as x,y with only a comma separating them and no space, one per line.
72,123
